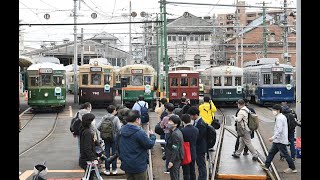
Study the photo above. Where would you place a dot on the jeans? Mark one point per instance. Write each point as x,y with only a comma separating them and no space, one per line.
189,171
283,150
139,176
107,148
202,166
167,160
292,146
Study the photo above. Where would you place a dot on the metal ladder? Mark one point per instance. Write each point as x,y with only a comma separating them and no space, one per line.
91,165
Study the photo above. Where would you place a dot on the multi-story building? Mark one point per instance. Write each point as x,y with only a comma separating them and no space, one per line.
245,17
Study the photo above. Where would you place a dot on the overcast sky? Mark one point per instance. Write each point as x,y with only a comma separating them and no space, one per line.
60,11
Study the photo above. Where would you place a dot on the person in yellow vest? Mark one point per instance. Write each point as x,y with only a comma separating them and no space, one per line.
207,110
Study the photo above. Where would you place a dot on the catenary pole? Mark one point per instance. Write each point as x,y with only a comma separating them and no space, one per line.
75,57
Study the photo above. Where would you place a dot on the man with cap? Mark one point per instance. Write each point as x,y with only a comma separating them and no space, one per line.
242,120
279,141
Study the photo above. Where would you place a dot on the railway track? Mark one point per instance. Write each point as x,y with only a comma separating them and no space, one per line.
272,174
32,118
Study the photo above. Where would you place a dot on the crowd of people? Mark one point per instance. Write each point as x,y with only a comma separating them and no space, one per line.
124,136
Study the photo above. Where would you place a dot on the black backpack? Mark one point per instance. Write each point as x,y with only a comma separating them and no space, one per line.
211,136
291,120
75,125
106,129
144,113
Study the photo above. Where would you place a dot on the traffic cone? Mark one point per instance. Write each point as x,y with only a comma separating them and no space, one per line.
26,95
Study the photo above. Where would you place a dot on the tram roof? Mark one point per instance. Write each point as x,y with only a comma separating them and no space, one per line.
223,70
269,66
183,71
47,65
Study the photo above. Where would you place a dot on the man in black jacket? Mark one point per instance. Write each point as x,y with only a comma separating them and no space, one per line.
190,134
201,142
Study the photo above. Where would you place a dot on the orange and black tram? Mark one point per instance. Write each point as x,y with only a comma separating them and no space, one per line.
183,83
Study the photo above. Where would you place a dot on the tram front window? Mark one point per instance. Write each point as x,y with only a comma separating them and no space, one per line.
217,81
184,82
45,80
238,81
174,81
84,79
288,78
34,81
266,79
57,80
227,81
95,79
277,78
107,79
137,80
193,82
147,80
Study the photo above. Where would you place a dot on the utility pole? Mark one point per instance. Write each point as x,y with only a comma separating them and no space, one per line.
298,66
161,45
82,46
285,38
241,46
75,58
236,32
157,52
165,46
130,45
265,53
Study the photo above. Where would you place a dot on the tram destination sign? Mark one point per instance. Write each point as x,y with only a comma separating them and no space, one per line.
279,69
45,70
137,71
95,69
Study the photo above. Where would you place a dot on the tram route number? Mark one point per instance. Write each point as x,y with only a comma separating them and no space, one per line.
60,97
95,93
277,92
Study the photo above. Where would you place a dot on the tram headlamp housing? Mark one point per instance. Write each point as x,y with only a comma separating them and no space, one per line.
46,94
184,94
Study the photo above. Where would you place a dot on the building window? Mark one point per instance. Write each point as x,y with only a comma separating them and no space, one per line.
184,38
206,37
180,38
191,38
196,38
221,24
202,37
174,38
212,61
169,38
197,60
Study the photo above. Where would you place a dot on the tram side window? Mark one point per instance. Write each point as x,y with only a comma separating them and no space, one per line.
277,78
128,79
84,79
288,78
217,81
193,82
266,78
95,79
34,81
137,80
57,80
46,80
174,81
184,82
238,81
227,81
147,80
107,79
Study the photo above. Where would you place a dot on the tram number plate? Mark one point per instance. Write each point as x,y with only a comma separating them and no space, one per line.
60,97
277,92
228,93
174,94
95,93
194,94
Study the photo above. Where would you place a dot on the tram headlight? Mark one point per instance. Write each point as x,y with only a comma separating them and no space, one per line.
184,94
46,94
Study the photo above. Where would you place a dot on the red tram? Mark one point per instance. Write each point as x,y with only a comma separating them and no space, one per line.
183,83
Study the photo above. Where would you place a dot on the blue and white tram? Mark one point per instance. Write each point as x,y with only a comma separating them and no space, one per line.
268,83
223,84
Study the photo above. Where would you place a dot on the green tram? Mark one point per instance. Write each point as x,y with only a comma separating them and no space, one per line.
224,84
46,86
141,80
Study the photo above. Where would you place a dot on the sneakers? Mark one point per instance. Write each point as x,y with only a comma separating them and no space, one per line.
167,172
235,156
289,170
264,167
106,173
245,153
293,159
255,158
114,172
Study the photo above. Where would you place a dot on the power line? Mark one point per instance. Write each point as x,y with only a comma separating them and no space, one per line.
79,24
228,5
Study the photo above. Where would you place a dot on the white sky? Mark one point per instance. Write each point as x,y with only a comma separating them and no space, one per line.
32,11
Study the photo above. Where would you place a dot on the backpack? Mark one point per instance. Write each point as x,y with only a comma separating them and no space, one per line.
211,136
291,122
144,113
106,130
253,120
179,111
75,125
